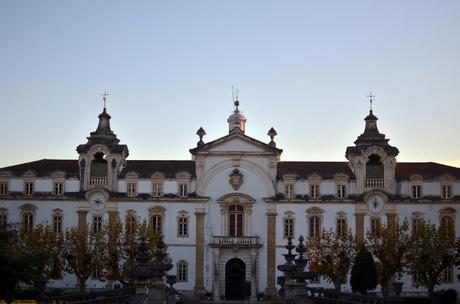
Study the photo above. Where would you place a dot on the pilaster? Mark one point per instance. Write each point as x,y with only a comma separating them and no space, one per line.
271,251
199,289
359,220
82,219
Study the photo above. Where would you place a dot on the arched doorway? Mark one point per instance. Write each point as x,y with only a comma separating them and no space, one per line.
235,277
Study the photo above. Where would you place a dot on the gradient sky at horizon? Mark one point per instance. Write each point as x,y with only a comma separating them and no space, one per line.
303,67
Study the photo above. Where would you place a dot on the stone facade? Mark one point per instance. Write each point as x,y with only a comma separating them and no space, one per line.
226,213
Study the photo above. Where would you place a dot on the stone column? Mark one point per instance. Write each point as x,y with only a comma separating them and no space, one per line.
82,219
199,289
359,219
253,276
271,252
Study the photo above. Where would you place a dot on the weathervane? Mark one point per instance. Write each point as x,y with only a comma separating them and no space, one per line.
370,99
235,97
104,97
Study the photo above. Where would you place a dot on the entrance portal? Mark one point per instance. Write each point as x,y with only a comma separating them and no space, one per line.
235,277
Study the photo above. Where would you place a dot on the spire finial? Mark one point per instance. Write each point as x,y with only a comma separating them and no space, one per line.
235,97
104,98
370,96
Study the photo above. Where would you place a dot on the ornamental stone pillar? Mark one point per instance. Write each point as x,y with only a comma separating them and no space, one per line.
199,290
359,220
82,219
271,251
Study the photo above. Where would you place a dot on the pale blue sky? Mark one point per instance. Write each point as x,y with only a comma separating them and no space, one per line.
303,67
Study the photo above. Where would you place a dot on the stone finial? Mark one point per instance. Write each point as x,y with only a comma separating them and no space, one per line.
272,133
201,132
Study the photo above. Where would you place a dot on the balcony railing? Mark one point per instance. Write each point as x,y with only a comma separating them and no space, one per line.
98,182
375,183
235,241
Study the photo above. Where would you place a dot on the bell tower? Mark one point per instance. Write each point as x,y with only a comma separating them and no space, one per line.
102,157
372,159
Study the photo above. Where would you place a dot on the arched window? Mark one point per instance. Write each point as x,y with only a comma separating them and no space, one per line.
374,167
235,220
288,224
99,165
182,224
182,271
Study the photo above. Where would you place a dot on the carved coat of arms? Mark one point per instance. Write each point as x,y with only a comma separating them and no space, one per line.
236,179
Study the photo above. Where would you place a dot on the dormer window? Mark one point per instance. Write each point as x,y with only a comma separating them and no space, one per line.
289,192
131,189
341,191
157,189
314,191
28,188
58,188
4,188
416,191
446,191
183,190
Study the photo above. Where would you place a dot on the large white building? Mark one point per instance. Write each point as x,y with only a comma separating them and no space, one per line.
226,213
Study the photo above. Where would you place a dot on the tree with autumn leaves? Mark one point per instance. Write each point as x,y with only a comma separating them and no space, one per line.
331,255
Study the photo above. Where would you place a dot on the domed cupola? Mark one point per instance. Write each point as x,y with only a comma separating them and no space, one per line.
236,121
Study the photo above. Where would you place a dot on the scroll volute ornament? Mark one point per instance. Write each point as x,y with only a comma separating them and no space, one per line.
236,179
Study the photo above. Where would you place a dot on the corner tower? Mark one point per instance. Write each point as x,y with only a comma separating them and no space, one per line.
102,157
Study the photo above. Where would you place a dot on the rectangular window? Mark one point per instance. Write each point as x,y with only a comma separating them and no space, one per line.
375,226
3,219
3,188
341,227
446,191
28,188
27,222
341,191
131,191
314,191
447,275
315,227
130,225
157,189
183,190
155,223
182,226
289,193
57,223
58,189
236,224
97,223
288,227
416,224
182,271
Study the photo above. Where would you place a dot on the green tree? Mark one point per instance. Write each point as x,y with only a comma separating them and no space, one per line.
16,267
85,251
363,273
434,250
389,246
332,255
114,248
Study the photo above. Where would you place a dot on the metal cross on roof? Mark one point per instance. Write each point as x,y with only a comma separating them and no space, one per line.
370,96
104,97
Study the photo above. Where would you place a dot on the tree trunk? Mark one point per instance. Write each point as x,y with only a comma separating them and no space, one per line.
385,288
82,285
430,291
337,284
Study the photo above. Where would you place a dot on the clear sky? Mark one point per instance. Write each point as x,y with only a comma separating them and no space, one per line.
303,67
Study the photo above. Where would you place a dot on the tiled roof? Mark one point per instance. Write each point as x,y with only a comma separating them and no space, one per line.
146,168
45,167
305,168
428,170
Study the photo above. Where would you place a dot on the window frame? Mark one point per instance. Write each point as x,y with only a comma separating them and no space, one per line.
182,271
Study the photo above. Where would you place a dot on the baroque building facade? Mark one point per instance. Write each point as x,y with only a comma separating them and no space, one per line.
226,213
